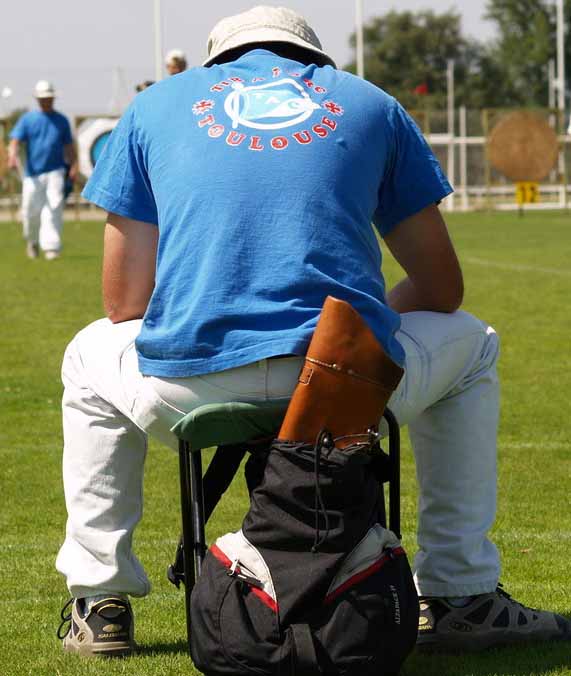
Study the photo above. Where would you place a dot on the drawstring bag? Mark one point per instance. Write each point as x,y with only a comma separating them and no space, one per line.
312,584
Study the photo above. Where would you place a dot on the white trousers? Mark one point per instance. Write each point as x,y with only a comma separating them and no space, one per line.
42,209
448,398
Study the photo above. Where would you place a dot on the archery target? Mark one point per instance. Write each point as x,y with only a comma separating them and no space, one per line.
92,135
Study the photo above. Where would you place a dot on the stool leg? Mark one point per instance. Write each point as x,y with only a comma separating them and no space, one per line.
187,535
197,513
394,484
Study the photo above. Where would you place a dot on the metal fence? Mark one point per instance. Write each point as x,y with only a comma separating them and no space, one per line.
460,143
459,140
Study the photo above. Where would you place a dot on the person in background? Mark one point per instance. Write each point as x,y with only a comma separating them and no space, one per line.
175,62
144,85
50,160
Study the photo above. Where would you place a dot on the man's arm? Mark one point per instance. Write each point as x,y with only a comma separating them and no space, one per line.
13,154
129,257
422,246
70,158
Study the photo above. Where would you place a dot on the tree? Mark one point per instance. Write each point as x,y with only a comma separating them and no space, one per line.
526,42
406,54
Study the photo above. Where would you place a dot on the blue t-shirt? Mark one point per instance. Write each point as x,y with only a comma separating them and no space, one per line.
264,176
45,135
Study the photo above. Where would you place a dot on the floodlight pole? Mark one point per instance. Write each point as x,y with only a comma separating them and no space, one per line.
5,94
450,94
560,57
359,38
157,23
552,84
561,96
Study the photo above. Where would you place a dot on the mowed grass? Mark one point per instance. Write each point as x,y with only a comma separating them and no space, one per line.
518,278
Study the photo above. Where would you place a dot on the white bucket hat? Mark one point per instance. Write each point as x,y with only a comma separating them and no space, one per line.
263,24
44,90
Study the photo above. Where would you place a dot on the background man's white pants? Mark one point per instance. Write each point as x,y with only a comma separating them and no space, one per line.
42,209
448,398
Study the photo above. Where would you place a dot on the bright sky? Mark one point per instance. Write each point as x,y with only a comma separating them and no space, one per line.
93,51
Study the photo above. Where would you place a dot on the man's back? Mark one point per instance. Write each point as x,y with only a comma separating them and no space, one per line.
264,176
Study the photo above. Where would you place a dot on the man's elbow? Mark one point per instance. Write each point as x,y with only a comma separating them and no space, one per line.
451,296
117,313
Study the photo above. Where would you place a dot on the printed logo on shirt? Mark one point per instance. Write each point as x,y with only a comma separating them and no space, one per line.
274,105
277,104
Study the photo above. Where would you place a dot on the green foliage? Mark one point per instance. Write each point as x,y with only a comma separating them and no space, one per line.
406,49
527,41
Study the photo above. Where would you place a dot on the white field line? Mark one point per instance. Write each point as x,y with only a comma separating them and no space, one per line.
516,267
542,445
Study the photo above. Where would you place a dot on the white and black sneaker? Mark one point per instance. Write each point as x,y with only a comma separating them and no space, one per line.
106,628
486,620
32,250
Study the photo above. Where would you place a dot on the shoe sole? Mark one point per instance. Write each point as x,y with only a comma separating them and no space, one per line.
110,650
456,645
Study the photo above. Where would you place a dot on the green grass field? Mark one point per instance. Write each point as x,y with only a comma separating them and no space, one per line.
518,278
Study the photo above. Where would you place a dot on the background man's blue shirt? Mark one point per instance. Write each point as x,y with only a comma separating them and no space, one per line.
45,135
264,177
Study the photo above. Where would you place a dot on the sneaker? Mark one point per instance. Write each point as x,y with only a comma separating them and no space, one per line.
51,255
487,620
32,250
106,629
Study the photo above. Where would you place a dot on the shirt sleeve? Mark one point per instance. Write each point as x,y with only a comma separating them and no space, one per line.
413,178
120,182
20,130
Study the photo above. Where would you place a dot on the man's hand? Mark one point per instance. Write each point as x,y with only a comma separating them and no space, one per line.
129,258
422,246
70,158
72,173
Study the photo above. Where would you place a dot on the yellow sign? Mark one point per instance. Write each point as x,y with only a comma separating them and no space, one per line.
526,192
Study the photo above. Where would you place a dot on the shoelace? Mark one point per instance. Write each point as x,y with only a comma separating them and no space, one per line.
323,439
502,592
65,619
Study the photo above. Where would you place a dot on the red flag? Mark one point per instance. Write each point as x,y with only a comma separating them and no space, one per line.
421,89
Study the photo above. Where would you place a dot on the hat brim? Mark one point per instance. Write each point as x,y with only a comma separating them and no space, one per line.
268,35
46,95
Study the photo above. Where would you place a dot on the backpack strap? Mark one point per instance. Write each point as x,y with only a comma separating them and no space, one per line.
304,657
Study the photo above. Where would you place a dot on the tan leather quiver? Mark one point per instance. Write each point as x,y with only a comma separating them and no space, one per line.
345,382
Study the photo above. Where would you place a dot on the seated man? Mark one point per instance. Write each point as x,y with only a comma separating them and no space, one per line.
240,195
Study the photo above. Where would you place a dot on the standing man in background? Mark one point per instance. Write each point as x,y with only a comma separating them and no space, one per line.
175,61
49,148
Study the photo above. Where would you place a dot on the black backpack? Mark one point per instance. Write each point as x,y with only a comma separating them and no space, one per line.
312,583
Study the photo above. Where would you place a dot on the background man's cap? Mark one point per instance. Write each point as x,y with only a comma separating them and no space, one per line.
44,90
263,24
175,55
